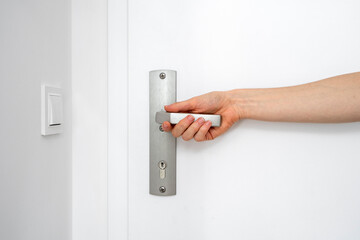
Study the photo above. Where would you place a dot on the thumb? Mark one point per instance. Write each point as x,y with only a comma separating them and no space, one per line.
184,106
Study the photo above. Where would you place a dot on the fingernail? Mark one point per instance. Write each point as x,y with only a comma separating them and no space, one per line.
201,120
208,123
190,117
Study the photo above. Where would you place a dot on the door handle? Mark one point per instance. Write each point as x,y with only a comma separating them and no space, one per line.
174,118
162,91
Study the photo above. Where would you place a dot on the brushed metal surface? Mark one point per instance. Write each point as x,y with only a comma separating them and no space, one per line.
174,118
162,87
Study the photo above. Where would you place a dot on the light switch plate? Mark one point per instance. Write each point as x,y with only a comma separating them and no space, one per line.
51,110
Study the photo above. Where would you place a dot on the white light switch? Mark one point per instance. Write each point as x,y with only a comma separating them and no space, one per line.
51,110
55,109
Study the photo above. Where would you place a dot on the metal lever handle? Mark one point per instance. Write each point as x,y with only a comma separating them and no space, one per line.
174,118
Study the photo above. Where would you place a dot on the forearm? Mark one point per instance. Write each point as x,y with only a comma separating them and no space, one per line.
335,99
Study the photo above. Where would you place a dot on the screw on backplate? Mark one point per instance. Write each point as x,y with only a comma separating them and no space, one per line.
162,75
162,189
160,128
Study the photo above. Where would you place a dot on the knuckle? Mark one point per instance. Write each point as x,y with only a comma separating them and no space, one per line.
203,131
174,133
185,138
180,127
198,139
210,137
178,130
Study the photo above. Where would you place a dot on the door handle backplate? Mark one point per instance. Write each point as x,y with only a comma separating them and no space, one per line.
162,91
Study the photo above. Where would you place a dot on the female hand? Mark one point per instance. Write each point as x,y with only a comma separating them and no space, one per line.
201,130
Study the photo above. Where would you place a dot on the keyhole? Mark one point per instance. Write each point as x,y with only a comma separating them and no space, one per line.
162,165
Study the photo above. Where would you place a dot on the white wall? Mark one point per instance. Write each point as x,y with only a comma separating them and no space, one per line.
89,76
35,171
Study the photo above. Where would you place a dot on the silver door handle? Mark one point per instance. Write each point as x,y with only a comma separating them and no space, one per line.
162,91
174,118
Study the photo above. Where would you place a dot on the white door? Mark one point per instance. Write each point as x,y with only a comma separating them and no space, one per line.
261,180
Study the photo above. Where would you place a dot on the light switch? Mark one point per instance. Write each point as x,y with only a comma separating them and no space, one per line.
51,110
55,109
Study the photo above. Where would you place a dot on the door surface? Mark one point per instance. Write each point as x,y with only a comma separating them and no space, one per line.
261,180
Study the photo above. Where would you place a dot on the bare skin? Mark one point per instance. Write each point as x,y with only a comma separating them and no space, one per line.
332,100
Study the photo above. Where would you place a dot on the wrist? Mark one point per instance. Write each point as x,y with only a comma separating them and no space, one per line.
242,102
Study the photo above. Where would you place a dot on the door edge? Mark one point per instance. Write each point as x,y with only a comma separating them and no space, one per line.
118,174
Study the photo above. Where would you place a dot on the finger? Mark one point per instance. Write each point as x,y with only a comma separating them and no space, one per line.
201,134
166,126
192,130
217,131
180,128
183,106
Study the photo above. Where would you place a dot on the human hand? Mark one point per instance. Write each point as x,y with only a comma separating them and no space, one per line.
213,103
